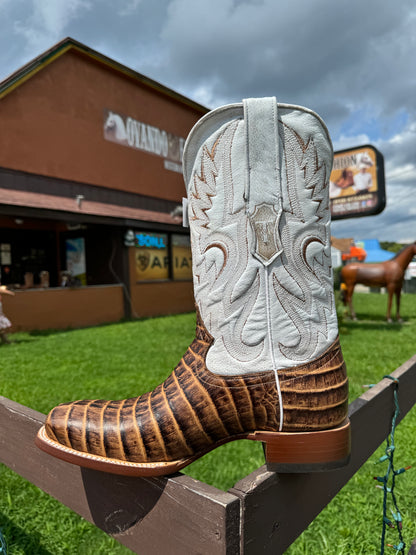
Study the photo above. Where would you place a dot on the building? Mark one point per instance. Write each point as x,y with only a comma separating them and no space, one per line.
344,251
90,185
374,252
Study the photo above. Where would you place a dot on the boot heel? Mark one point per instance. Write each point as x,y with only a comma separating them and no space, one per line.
306,451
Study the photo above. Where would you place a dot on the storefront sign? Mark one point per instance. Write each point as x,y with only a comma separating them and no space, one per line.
181,257
132,133
357,185
152,257
129,238
153,261
153,240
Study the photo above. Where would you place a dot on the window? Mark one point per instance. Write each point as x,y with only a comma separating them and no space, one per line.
162,256
5,254
152,257
181,257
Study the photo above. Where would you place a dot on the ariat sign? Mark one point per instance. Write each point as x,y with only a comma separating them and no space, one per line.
155,261
132,133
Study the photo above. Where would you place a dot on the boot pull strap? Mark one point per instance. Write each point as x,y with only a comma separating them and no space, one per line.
263,182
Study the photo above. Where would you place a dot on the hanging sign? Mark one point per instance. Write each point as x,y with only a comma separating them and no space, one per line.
357,186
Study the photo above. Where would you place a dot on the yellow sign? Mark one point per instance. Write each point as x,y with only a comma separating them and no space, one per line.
152,256
354,171
181,257
182,262
151,264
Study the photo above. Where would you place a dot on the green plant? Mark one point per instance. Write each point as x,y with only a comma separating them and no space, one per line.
42,369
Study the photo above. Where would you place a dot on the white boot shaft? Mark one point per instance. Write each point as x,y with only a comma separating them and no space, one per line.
257,177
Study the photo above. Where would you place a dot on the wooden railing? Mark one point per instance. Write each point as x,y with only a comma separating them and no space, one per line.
177,514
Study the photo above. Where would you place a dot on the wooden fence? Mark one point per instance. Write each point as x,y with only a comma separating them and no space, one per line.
177,514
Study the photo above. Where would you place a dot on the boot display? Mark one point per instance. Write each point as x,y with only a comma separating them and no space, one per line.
266,363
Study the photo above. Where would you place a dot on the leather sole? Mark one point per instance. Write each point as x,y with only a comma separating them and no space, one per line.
284,452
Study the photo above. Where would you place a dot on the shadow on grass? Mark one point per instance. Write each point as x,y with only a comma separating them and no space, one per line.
366,322
15,340
51,331
18,539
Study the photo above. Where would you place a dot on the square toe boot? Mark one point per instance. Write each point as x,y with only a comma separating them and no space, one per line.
266,362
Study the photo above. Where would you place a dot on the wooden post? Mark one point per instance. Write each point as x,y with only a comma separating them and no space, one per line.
412,550
263,513
277,508
174,515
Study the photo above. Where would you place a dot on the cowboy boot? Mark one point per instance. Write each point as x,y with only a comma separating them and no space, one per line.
265,363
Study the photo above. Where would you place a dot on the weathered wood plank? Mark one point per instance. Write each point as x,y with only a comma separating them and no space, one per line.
412,550
181,515
155,515
277,508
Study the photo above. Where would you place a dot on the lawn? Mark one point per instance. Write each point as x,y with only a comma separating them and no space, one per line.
42,369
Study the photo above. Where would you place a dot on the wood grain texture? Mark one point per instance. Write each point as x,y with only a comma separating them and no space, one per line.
412,550
194,517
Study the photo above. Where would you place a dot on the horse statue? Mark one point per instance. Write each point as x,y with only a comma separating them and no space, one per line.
389,274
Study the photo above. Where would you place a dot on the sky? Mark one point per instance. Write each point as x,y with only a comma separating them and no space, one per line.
352,62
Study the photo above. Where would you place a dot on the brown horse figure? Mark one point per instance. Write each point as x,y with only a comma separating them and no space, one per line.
388,274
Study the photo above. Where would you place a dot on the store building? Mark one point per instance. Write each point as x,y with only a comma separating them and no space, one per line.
90,192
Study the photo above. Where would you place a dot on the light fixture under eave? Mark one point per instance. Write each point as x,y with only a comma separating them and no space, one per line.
79,199
177,213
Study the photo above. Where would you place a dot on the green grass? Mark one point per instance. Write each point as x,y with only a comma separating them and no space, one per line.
351,523
42,369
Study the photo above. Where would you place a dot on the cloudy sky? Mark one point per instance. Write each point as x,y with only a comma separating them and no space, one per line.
351,61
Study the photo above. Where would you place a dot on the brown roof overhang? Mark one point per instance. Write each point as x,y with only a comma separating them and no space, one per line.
73,208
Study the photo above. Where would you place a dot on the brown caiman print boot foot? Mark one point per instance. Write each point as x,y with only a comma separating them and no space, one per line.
266,363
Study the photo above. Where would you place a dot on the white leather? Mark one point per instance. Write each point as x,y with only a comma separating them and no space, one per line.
257,178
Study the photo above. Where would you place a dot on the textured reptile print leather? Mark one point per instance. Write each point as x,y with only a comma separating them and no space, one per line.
195,409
